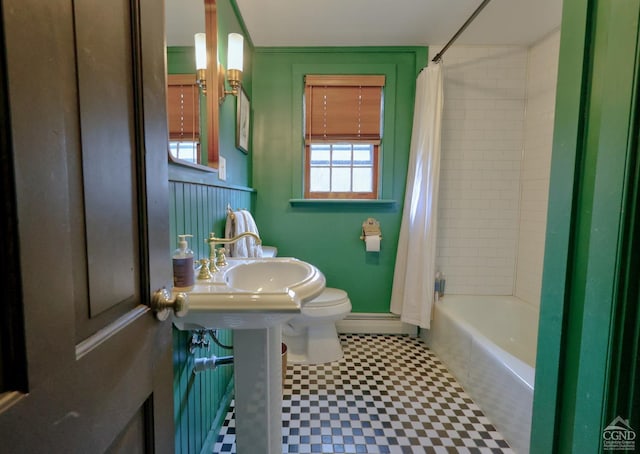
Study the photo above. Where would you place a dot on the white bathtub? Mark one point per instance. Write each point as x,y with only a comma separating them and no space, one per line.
489,344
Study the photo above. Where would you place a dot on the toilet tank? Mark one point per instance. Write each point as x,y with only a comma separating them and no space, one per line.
269,251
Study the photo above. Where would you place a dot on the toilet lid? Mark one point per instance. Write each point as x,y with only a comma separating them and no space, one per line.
329,297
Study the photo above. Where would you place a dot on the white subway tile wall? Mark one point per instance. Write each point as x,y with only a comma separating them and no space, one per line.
482,141
488,224
538,137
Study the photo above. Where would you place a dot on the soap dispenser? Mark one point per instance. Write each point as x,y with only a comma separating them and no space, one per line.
183,270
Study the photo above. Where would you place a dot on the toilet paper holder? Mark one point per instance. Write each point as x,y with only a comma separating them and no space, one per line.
370,227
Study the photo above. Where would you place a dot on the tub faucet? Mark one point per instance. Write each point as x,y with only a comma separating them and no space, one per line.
218,259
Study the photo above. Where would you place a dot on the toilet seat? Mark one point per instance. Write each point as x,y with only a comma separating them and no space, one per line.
328,297
331,305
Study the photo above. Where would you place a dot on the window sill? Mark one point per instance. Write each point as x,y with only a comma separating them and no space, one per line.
380,203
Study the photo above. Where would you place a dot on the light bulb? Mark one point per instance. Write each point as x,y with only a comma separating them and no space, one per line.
235,48
201,50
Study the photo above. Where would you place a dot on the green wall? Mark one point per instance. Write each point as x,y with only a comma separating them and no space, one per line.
198,201
327,234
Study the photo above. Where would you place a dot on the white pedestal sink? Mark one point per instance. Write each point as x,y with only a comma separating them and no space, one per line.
254,297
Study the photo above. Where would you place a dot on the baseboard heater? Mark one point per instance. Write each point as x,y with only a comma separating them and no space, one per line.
374,323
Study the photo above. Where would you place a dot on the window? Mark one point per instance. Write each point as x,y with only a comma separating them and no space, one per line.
183,110
343,130
185,150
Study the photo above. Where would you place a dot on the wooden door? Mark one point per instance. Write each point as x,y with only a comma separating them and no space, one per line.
85,365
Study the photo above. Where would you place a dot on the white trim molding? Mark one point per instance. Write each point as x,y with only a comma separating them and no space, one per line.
375,323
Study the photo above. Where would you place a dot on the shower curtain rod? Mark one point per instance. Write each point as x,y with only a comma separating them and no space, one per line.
438,57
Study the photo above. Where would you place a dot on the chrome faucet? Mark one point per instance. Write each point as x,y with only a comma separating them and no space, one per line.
218,259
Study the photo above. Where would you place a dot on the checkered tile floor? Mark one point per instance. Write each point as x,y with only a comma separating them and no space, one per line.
388,394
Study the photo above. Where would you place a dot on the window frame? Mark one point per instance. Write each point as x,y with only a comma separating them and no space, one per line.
338,80
393,113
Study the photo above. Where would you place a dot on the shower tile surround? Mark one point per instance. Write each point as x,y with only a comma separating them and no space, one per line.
388,394
536,163
482,136
492,201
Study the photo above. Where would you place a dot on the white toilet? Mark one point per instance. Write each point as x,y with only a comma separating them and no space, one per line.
311,336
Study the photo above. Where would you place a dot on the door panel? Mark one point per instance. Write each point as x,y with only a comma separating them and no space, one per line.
107,89
86,122
132,440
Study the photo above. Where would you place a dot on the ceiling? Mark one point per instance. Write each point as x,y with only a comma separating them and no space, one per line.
375,22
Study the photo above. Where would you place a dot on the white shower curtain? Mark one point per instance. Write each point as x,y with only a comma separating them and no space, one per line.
414,276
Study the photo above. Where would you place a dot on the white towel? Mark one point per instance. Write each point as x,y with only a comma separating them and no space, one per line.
229,229
235,226
238,222
253,249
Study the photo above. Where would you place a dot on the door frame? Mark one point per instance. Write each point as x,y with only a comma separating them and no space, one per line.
590,230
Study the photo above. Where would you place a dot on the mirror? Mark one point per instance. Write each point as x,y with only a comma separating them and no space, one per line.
200,148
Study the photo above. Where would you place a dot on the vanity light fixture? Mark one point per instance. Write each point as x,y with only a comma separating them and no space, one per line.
201,60
235,56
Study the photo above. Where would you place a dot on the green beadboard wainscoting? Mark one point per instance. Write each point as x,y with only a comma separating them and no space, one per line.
328,234
200,400
198,202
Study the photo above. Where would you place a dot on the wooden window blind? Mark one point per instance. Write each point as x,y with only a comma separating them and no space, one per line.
183,107
343,131
343,107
